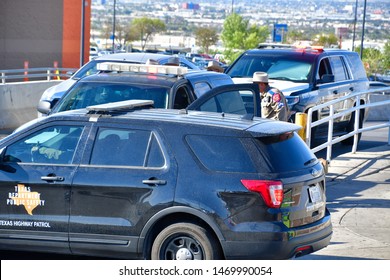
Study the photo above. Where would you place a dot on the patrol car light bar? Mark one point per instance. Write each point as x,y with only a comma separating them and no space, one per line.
121,105
142,68
308,48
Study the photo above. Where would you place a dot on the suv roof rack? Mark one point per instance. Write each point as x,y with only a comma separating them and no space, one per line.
119,106
142,68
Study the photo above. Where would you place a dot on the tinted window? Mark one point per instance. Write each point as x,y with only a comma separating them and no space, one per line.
56,144
125,147
356,64
285,152
182,99
339,69
227,102
324,69
219,153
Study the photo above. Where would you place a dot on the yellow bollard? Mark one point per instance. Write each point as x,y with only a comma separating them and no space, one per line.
58,74
301,119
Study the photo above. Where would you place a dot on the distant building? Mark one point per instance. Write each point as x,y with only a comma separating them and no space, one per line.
190,6
43,32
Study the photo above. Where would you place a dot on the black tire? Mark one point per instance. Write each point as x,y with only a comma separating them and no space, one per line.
185,241
350,127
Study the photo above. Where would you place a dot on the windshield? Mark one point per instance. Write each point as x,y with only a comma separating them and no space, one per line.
86,70
278,67
83,95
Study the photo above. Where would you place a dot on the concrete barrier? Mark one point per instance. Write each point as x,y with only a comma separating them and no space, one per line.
18,102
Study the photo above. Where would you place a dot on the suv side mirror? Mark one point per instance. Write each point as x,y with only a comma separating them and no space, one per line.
326,78
44,107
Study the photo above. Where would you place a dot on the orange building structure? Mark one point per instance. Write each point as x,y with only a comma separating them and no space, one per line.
44,33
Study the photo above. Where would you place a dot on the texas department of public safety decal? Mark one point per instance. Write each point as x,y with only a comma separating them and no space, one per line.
23,196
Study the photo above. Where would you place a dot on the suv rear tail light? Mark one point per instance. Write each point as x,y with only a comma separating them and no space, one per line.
271,191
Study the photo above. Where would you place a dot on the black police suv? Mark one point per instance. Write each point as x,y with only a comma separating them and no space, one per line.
54,93
167,86
117,181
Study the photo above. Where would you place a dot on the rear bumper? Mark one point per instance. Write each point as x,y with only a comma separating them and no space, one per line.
281,245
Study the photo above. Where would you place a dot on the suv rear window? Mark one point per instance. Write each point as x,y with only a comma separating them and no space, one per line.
219,153
286,146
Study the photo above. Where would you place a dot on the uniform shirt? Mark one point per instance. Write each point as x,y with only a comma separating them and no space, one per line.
274,105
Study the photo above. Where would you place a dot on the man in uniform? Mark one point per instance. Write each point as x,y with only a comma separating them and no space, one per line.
273,102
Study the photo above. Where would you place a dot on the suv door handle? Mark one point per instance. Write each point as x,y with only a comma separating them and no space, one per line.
154,182
52,178
335,92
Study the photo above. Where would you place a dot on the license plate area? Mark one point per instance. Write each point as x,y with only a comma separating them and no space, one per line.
315,194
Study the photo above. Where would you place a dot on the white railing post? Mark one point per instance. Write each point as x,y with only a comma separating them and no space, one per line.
2,78
330,135
356,110
308,127
48,74
388,136
356,124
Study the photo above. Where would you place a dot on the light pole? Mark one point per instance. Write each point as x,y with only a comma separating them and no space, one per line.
354,26
113,28
364,23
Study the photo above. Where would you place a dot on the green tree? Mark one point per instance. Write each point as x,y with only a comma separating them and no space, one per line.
295,35
386,56
373,61
144,28
206,37
326,40
237,35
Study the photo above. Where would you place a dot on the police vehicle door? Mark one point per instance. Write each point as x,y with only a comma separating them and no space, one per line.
125,177
36,170
333,83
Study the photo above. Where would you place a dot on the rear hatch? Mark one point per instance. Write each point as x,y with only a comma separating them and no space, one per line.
288,160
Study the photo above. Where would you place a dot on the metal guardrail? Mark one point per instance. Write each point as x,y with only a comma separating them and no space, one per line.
332,116
44,73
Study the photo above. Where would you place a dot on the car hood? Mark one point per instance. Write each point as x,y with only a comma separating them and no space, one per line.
52,92
286,87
